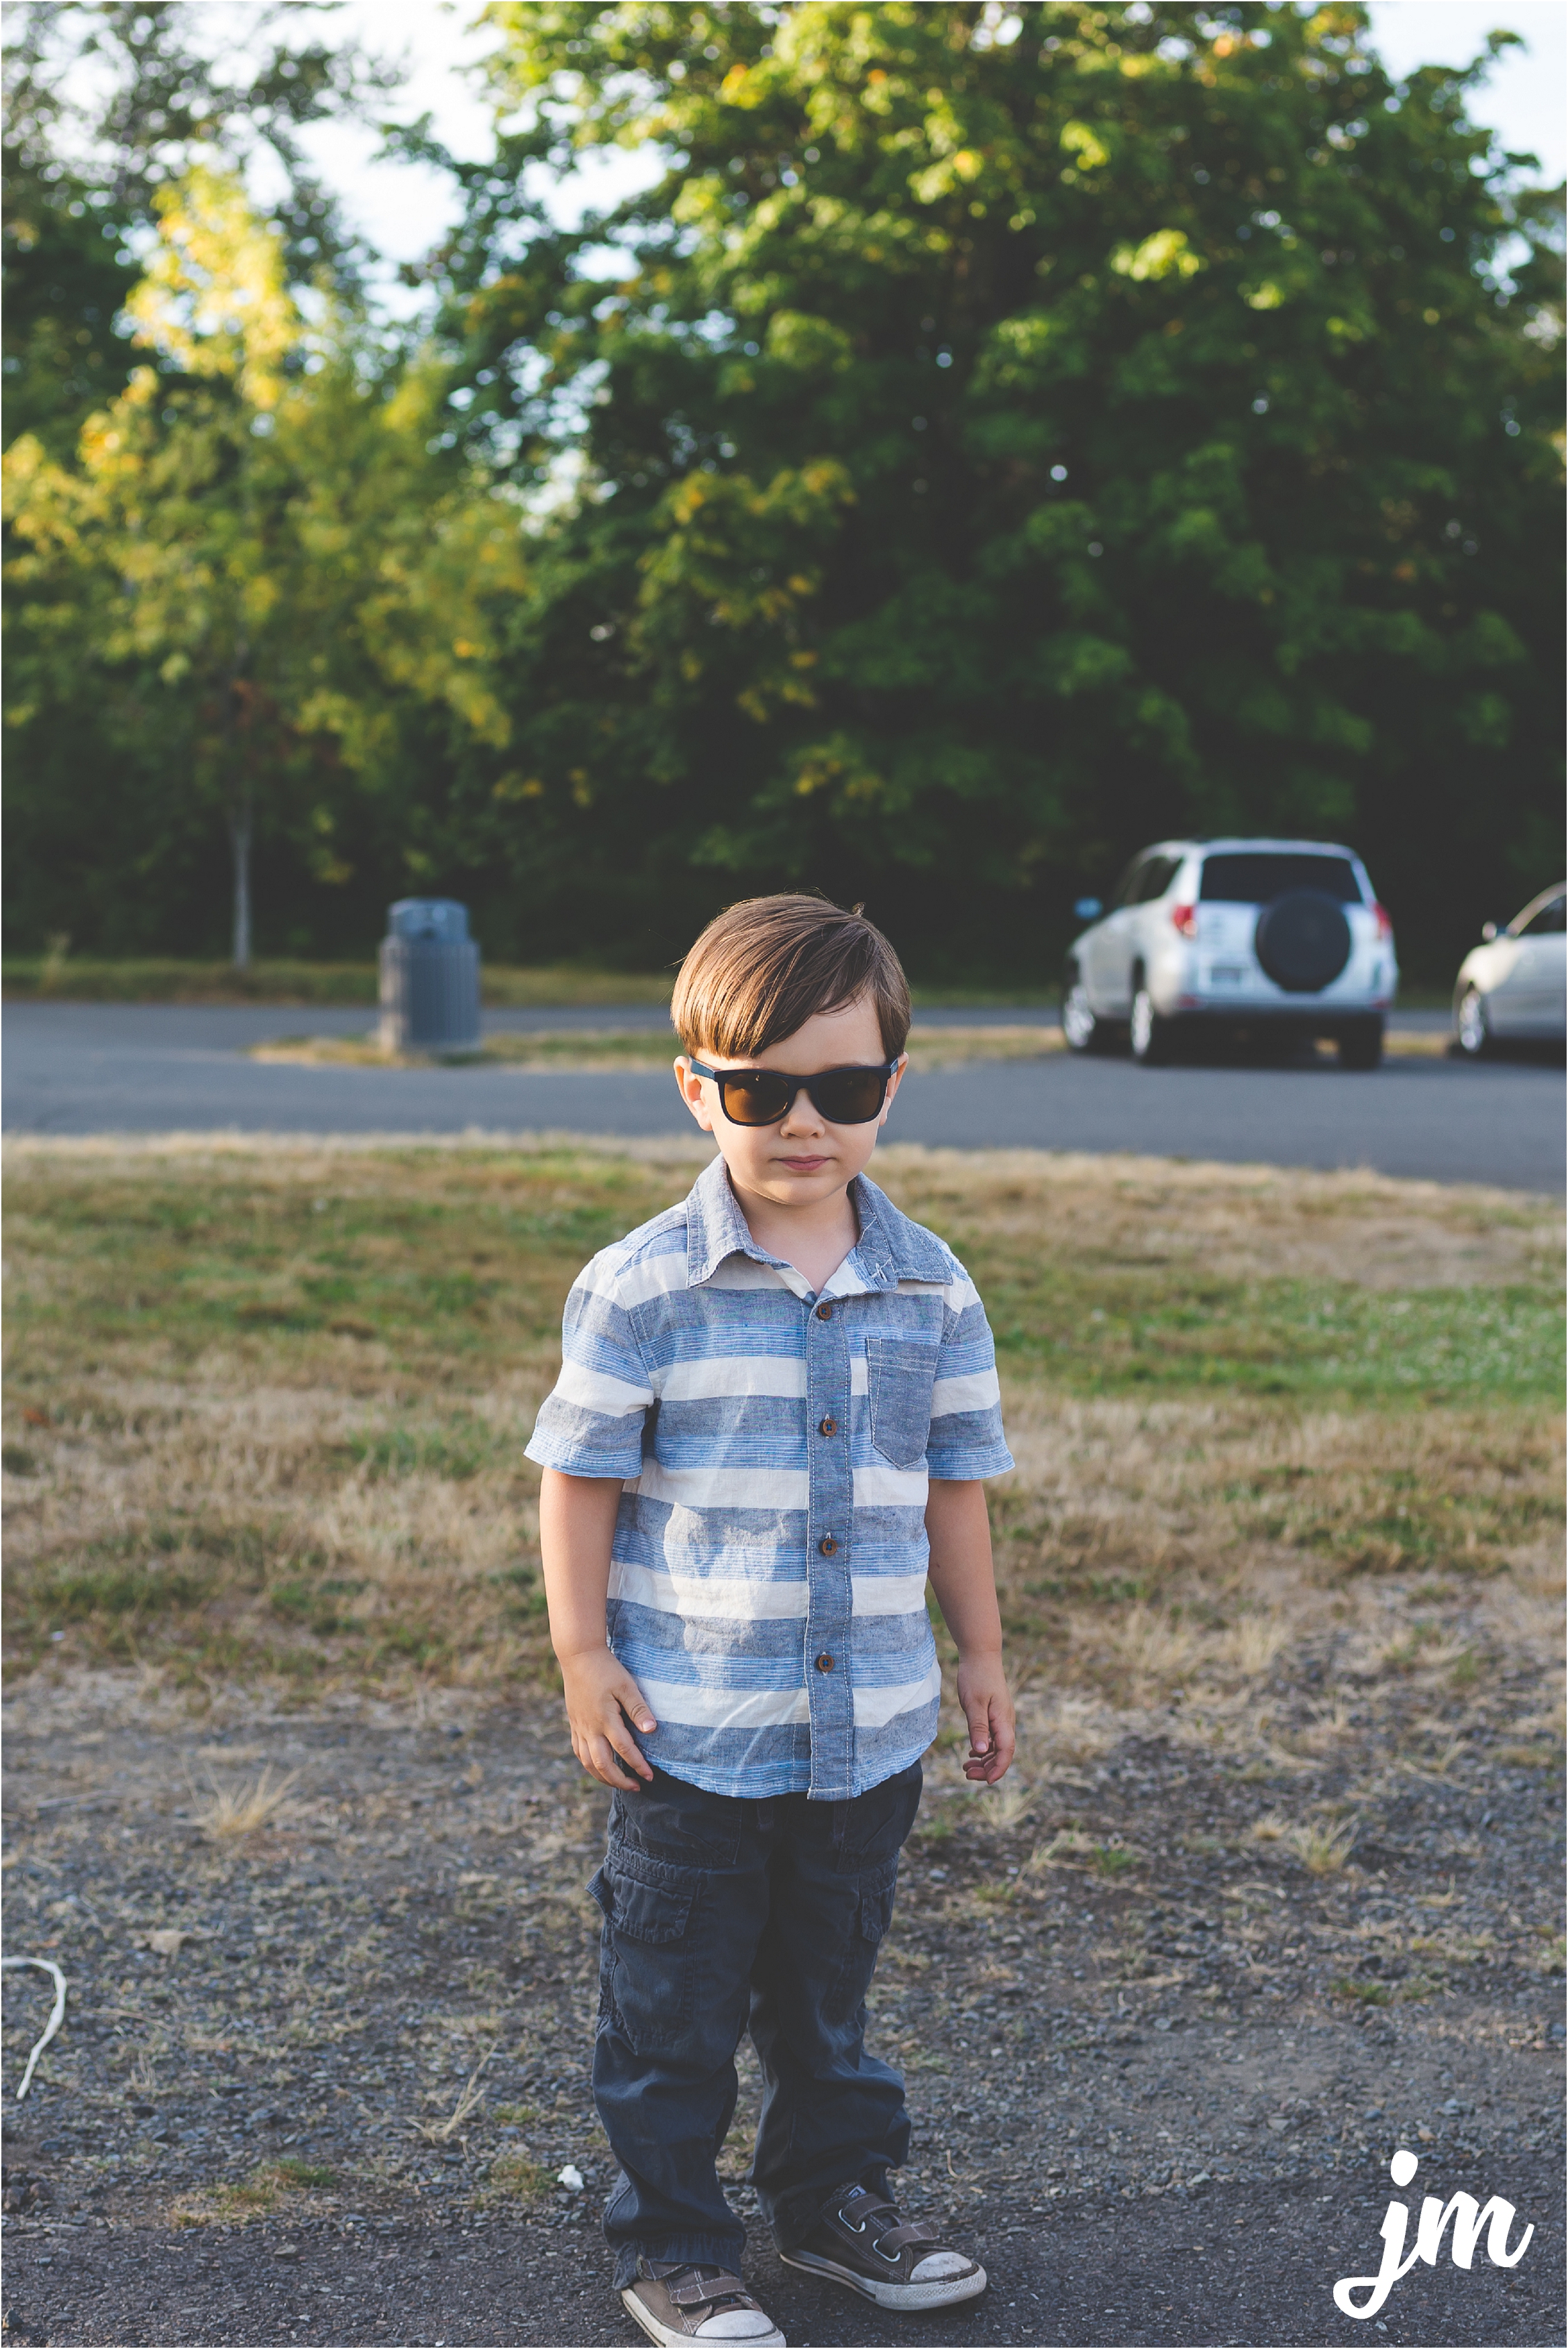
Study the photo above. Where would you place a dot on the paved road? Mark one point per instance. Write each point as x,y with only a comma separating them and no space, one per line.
76,1069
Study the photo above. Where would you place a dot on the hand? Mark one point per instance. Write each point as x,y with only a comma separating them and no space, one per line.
601,1697
988,1710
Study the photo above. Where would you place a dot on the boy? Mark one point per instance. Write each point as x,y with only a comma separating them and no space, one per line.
775,1405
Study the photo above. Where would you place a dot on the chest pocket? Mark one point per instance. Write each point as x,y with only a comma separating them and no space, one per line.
899,1375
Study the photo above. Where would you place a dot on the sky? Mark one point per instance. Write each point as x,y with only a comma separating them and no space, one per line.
402,209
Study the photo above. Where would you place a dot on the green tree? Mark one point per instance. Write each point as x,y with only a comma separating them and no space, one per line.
1001,435
261,560
107,102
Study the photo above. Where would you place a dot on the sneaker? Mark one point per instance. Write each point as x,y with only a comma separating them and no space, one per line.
861,2240
676,2304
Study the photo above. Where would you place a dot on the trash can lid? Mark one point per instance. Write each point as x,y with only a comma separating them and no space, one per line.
428,917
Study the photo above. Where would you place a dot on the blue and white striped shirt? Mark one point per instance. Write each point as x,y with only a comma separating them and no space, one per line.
767,1583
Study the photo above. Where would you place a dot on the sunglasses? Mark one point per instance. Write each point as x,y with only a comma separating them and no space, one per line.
765,1096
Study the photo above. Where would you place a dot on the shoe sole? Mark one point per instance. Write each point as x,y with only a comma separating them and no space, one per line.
907,2296
667,2338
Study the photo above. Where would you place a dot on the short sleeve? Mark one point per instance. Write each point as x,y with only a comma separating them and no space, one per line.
590,1424
966,1438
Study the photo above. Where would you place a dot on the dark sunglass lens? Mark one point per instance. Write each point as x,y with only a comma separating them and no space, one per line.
850,1096
755,1100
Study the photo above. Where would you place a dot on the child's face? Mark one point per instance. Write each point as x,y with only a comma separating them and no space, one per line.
802,1159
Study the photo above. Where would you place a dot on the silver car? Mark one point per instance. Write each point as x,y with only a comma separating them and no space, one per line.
1262,939
1510,988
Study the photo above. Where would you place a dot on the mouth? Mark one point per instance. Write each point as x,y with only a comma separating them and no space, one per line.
804,1165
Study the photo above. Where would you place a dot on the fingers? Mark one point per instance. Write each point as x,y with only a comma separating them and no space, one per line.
604,1743
992,1742
978,1713
1004,1741
599,1758
629,1697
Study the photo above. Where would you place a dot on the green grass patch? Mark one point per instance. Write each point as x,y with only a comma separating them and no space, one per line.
1101,1332
169,979
414,1295
517,2177
1361,1992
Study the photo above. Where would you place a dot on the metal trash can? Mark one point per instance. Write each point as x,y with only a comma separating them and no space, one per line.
429,978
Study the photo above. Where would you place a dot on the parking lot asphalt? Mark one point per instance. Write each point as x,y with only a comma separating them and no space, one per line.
86,1069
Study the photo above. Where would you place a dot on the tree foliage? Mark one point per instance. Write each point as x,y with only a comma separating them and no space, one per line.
106,103
1006,437
989,439
262,565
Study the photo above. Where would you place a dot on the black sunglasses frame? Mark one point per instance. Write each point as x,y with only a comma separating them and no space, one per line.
724,1078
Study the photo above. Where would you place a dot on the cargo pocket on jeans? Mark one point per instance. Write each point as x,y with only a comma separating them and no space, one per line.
598,1893
652,1972
873,1916
900,1375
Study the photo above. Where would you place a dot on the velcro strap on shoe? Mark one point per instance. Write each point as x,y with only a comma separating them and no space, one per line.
696,2290
854,2210
899,2239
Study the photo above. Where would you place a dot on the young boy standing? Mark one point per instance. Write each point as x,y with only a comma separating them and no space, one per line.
774,1407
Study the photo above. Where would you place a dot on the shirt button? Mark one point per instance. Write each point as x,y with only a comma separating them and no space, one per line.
824,1663
824,1312
827,1427
827,1544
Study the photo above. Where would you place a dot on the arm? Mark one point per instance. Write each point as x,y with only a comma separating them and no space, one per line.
959,1531
576,1529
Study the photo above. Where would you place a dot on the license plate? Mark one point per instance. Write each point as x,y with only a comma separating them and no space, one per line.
1227,974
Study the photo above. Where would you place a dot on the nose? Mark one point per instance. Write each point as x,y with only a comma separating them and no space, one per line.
802,1116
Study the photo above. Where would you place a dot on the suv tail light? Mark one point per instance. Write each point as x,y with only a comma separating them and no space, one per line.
1385,926
1184,920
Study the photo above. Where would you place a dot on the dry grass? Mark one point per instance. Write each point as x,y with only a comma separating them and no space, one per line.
637,1048
1322,1849
236,1811
470,2105
268,1405
632,1048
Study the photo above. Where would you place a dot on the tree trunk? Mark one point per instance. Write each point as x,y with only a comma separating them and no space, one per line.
240,829
241,803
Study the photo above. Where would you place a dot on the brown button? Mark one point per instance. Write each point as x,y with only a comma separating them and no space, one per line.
824,1312
824,1663
827,1544
827,1427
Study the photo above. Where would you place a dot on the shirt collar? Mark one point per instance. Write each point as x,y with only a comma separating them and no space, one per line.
891,1247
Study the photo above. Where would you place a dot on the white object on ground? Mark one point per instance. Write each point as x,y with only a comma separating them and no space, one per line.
56,2014
571,2178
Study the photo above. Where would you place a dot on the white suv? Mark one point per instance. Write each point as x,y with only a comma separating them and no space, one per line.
1256,937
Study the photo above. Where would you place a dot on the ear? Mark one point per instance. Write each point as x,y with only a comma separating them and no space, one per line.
893,1083
694,1092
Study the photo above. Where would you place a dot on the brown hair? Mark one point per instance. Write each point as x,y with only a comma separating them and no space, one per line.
765,967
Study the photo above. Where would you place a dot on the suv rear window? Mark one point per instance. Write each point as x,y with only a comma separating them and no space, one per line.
1257,876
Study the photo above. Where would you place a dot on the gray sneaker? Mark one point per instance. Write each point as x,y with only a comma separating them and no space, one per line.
675,2304
863,2240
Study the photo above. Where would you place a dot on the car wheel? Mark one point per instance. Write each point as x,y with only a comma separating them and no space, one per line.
1150,1035
1361,1046
1471,1033
1083,1031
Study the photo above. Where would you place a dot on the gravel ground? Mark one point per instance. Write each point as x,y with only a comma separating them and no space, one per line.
1158,2094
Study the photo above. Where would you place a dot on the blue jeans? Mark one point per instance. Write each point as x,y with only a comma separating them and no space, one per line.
721,1914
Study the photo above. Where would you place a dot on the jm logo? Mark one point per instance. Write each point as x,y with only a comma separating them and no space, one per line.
1468,2217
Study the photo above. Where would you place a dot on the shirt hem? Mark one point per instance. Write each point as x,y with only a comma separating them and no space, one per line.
792,1782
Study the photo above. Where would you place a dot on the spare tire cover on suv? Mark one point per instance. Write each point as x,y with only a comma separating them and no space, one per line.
1303,941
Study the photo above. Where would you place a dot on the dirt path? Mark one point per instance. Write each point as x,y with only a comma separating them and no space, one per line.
1162,2102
